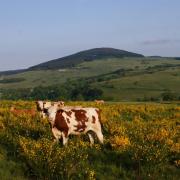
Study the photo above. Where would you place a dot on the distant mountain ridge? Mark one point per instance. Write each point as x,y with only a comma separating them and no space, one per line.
12,72
87,55
75,59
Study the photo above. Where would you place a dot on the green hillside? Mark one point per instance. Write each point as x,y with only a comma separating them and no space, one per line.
119,78
88,55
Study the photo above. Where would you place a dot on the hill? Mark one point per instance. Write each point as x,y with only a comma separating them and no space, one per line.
88,55
128,79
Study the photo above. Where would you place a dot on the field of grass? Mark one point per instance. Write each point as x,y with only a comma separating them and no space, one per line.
141,141
9,167
128,79
141,86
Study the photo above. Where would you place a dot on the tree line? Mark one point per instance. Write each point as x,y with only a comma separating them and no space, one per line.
80,90
68,91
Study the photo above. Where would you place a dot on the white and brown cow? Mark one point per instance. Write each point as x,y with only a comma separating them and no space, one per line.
67,120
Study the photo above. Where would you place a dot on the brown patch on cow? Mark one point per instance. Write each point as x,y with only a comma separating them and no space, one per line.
80,127
80,115
81,118
68,113
68,120
60,123
94,119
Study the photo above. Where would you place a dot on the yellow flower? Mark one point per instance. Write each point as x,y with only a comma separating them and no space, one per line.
120,142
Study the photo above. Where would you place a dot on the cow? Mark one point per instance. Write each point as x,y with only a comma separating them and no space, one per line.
40,108
99,101
43,105
66,121
19,112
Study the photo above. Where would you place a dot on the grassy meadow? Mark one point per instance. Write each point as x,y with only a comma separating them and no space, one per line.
120,79
141,141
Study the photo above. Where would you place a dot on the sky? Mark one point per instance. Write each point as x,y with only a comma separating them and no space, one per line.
35,31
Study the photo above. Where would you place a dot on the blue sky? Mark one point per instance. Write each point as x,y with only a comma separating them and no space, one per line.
35,31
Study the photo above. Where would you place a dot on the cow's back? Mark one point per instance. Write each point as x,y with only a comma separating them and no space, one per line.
77,120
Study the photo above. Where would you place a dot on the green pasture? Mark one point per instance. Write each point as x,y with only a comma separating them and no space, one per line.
141,78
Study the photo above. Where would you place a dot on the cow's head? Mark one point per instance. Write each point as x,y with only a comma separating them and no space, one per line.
51,113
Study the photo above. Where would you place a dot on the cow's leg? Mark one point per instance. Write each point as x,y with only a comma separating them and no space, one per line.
99,136
57,134
91,138
65,139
